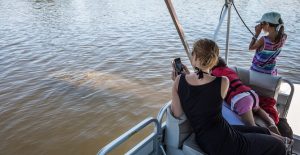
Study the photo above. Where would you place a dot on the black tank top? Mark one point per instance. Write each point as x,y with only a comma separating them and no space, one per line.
202,104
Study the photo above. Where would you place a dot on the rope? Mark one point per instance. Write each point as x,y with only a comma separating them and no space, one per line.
242,19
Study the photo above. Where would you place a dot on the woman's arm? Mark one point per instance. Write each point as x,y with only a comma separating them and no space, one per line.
176,105
224,86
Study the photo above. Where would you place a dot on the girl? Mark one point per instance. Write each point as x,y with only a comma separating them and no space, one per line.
268,47
242,99
200,95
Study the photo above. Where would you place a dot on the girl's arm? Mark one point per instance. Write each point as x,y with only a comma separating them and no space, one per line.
255,44
176,105
224,86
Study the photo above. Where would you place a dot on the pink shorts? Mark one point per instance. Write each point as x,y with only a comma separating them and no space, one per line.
245,104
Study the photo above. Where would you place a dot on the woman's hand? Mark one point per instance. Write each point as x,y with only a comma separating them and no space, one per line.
175,74
185,69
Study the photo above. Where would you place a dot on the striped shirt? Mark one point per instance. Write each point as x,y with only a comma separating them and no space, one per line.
264,60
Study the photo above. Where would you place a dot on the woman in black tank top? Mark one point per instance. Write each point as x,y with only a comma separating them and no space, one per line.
199,96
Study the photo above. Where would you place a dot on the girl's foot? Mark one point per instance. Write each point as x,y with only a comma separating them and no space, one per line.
274,129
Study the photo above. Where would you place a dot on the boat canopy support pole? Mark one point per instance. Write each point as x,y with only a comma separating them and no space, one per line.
178,28
228,4
223,15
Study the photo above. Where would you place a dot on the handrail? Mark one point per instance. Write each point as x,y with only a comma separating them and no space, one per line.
159,117
130,133
288,102
162,111
178,28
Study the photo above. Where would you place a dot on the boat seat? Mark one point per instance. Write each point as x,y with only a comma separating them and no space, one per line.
263,84
190,147
179,137
176,132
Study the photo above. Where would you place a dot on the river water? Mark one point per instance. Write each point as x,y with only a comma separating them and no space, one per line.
75,74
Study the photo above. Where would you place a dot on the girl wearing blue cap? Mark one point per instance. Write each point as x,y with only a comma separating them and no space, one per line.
267,47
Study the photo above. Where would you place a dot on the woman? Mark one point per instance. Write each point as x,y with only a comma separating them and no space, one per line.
199,96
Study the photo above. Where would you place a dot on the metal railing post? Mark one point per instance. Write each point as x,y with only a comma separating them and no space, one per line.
228,4
224,13
291,94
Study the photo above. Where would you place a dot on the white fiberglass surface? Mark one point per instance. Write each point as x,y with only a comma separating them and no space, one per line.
294,111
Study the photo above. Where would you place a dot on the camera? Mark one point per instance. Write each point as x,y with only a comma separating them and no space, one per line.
178,66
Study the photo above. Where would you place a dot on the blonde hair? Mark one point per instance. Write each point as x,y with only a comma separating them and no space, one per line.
207,52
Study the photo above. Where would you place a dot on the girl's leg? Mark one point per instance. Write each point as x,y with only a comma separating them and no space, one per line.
265,116
243,107
248,118
271,124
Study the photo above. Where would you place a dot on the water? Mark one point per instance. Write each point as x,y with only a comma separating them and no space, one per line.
75,74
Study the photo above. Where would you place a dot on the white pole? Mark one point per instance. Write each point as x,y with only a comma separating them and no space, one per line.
220,24
229,3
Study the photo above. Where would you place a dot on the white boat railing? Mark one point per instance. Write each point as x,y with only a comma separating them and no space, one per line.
289,99
109,147
162,112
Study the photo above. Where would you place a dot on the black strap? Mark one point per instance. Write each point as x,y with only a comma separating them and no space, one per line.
235,80
232,89
200,73
254,98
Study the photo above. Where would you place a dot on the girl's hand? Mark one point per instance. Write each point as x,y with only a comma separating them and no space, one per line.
258,29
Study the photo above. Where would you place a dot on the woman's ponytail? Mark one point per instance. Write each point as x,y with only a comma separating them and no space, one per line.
280,31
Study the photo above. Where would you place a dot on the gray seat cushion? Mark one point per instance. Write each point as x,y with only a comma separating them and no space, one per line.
177,130
263,84
190,147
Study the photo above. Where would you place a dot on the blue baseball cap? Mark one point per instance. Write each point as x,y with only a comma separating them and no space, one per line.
270,17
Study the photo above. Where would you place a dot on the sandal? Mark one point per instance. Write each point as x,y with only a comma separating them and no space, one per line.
288,144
